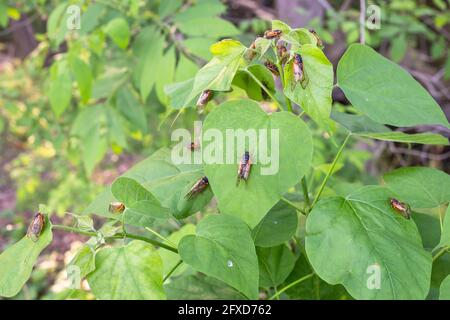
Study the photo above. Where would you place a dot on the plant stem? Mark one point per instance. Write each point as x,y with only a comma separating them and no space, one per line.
172,270
293,205
117,236
161,237
305,192
291,285
281,71
440,253
330,172
264,88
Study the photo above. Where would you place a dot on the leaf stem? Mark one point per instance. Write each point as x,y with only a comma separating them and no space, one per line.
172,270
264,88
305,192
291,285
117,236
161,237
281,71
440,253
293,205
330,172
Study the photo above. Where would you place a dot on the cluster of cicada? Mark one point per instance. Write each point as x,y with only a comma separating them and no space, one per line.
243,173
284,56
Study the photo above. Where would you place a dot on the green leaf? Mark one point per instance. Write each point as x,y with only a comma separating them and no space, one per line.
83,75
315,99
90,19
398,48
444,292
201,9
170,183
151,63
18,260
179,93
223,248
384,91
130,272
94,148
200,46
166,74
218,74
84,260
131,108
254,91
421,138
119,31
420,187
169,258
3,15
275,265
199,287
354,240
280,25
141,206
291,158
167,8
60,91
212,27
363,126
445,235
56,25
277,226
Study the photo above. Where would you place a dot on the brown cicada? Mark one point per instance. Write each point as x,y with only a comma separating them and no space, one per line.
401,207
36,226
319,41
204,98
251,51
193,146
299,71
198,187
282,52
116,207
244,168
272,68
272,34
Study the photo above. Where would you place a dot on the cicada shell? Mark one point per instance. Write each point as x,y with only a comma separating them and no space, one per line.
244,168
401,207
36,226
116,207
299,71
198,187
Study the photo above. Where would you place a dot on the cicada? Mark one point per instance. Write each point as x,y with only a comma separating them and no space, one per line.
401,208
299,71
272,34
251,51
193,146
244,168
36,226
198,187
204,98
272,68
319,41
282,52
116,207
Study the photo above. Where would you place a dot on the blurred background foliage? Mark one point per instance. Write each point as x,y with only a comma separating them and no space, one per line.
79,107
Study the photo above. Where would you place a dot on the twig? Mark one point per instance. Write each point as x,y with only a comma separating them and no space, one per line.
362,21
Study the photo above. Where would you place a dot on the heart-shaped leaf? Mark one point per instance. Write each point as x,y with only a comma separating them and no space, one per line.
420,187
199,287
315,98
275,265
445,235
128,273
223,248
363,126
291,155
361,242
384,91
277,226
18,260
444,292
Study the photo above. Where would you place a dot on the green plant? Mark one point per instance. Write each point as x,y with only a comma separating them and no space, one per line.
307,231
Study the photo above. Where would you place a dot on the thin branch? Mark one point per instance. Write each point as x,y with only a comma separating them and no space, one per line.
362,21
